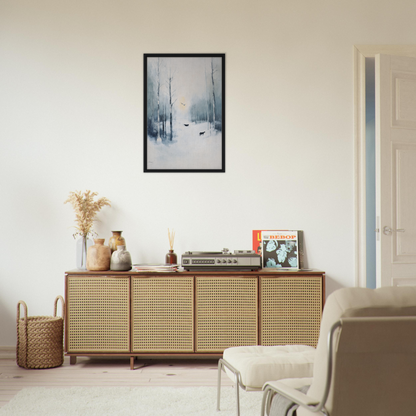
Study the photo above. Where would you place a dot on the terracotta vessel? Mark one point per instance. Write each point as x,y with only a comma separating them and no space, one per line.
121,259
116,240
98,256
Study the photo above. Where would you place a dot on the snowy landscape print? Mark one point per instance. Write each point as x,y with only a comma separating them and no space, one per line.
184,113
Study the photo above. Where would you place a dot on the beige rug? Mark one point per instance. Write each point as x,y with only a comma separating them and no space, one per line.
130,401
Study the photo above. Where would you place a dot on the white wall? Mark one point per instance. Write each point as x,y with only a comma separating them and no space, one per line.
71,118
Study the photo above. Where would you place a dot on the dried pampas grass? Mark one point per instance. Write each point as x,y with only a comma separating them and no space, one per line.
85,210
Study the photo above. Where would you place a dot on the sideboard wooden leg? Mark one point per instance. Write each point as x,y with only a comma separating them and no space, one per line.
72,359
131,363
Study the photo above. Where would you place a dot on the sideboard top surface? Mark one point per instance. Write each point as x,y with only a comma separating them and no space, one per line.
262,272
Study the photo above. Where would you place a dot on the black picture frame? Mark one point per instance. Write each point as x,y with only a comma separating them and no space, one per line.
184,112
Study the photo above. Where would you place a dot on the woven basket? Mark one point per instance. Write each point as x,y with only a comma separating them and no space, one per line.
40,338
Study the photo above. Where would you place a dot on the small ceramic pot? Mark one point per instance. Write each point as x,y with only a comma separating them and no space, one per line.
116,240
121,259
98,256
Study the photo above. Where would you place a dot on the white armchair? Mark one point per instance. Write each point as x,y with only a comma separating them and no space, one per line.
365,363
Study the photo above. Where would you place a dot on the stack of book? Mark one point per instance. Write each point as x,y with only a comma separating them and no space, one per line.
155,267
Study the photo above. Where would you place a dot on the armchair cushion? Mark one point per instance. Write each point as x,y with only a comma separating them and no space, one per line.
258,364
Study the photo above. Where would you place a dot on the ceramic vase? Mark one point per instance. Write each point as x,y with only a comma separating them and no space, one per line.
82,246
98,256
116,240
121,259
171,258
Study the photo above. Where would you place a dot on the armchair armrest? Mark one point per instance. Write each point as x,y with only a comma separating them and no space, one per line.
291,393
312,404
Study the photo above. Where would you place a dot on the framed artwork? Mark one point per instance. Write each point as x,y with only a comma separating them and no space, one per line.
184,113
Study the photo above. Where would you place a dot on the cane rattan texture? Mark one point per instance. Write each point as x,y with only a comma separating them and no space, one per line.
39,339
226,312
162,314
98,314
291,310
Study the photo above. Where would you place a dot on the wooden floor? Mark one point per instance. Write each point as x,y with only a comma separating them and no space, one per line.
109,372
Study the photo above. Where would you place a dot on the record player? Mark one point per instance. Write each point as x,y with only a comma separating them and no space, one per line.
240,260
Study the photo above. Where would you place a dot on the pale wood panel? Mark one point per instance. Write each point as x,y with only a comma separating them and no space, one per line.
404,210
92,372
403,100
395,167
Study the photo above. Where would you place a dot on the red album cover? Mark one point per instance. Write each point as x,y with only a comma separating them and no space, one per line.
257,241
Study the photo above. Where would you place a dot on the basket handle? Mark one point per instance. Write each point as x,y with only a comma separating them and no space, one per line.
56,306
24,340
21,302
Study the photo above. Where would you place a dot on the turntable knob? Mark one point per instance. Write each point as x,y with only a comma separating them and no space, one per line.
225,250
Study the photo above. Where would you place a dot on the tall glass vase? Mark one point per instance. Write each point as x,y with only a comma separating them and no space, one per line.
81,252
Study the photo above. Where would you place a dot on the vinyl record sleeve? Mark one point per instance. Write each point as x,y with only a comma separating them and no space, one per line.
279,248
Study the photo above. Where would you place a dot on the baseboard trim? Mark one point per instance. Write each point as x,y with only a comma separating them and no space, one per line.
7,352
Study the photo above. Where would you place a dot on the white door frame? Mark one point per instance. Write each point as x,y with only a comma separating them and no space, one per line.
360,53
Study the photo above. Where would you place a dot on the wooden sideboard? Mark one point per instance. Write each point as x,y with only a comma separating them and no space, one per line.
189,313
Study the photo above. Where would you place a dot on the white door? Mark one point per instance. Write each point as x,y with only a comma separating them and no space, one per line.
396,170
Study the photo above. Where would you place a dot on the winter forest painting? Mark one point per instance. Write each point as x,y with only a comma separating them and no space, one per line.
184,113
